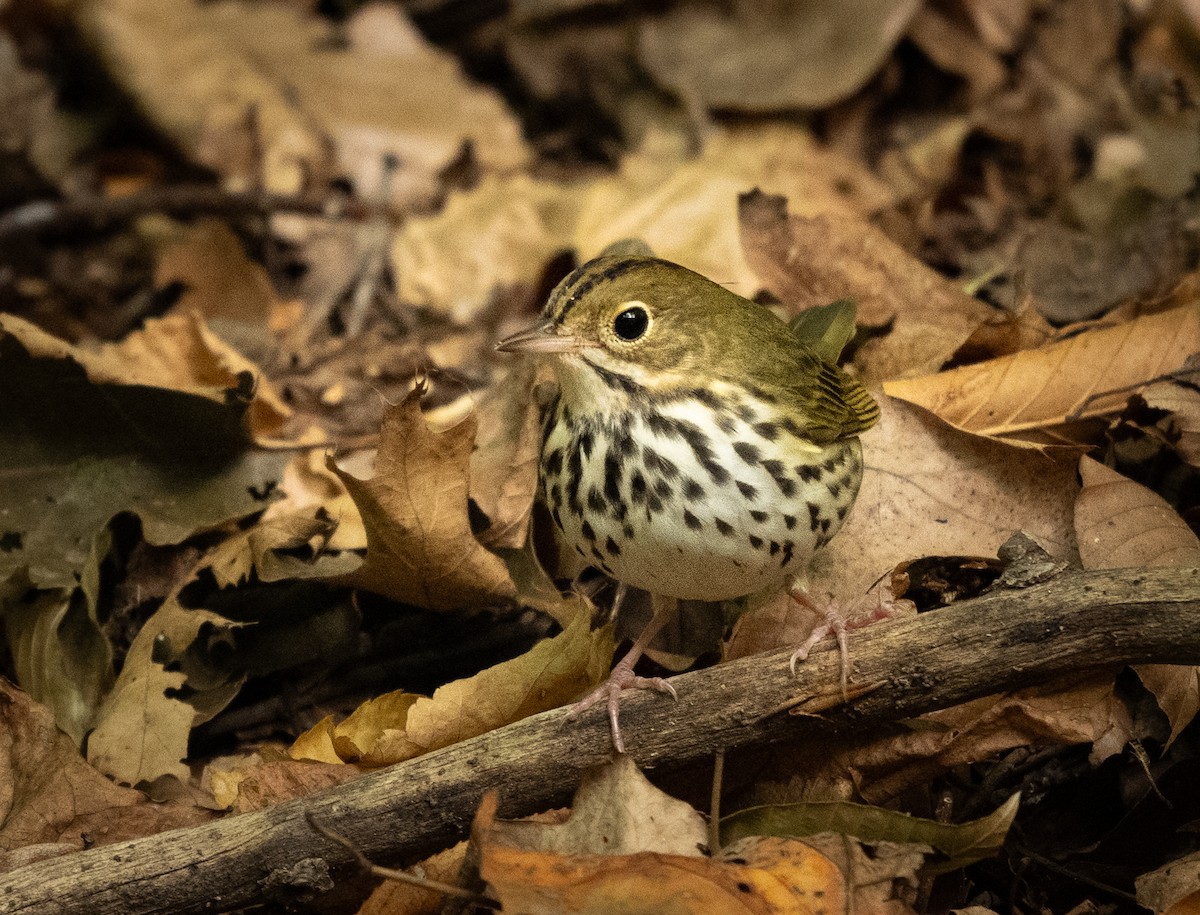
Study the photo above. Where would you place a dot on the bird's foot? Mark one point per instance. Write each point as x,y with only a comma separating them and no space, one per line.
621,679
877,605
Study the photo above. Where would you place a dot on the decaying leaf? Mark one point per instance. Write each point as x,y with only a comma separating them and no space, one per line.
420,548
1172,889
1184,404
399,725
49,794
1037,391
155,425
960,843
272,79
809,259
279,548
61,654
879,769
931,490
1122,524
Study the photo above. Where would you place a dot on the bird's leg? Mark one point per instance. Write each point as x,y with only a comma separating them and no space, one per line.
623,677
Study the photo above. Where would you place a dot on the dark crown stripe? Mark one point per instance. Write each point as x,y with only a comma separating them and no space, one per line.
582,280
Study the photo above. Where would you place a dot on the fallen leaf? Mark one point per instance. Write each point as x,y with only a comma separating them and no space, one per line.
504,462
393,897
1122,524
687,211
1037,391
772,56
808,260
501,234
1184,405
960,843
283,547
143,727
309,486
49,794
931,490
399,725
315,101
420,548
60,652
155,425
1171,889
616,811
878,769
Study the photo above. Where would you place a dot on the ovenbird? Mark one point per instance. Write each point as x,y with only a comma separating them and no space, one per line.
697,447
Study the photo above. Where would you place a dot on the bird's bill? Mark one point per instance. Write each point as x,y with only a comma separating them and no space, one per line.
542,339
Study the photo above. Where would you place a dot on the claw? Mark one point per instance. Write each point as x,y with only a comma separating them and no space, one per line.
621,679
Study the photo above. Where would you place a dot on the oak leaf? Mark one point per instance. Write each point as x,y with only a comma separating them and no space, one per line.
420,547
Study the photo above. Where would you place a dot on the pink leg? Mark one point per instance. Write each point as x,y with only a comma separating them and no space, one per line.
877,604
623,677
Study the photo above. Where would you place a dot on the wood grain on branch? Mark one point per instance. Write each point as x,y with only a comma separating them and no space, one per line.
902,668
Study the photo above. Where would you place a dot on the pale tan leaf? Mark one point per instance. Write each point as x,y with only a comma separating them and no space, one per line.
687,211
1172,888
308,485
268,91
1088,375
616,811
1122,524
931,490
420,548
809,259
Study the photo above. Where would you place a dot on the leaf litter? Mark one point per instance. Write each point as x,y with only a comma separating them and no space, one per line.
979,176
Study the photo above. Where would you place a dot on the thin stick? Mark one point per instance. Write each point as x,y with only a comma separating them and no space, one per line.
388,873
714,806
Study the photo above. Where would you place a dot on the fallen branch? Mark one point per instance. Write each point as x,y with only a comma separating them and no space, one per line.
398,815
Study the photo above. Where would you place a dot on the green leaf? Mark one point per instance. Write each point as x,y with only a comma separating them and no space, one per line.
826,328
961,843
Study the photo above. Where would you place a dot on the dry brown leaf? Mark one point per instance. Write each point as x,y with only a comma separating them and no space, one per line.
616,811
283,547
1171,890
144,724
931,490
420,546
399,726
504,464
281,780
392,897
48,794
1122,524
502,233
879,769
266,91
308,486
1088,375
688,212
1184,404
219,281
177,352
771,876
808,260
772,56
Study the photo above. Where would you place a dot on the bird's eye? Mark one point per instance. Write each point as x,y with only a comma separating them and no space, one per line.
630,324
